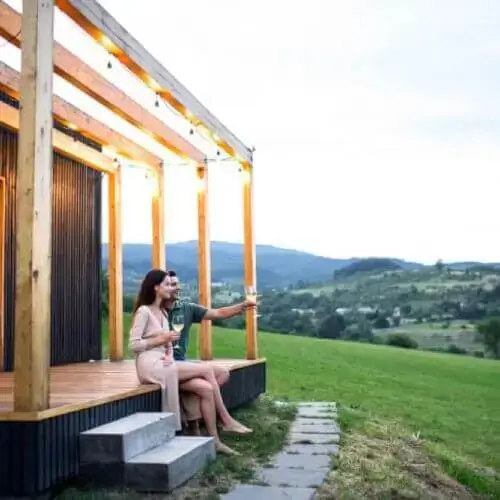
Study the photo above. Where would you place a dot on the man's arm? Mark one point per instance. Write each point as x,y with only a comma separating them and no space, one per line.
227,312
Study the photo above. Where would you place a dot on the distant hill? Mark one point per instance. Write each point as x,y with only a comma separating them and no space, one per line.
276,267
369,265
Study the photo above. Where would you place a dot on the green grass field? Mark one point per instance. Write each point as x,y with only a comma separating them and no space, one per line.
452,403
434,336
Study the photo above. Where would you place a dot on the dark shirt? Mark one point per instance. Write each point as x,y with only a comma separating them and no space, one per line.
193,313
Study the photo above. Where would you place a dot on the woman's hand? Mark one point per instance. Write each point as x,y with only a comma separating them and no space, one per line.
169,337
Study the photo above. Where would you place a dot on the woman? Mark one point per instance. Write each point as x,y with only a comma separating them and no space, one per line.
151,341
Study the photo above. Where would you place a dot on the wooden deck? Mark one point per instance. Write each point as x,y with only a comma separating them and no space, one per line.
83,385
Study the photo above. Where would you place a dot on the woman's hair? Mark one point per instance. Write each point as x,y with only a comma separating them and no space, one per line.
147,292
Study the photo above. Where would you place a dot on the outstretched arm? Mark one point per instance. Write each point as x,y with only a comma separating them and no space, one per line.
228,312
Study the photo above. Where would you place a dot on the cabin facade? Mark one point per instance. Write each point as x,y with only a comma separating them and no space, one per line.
54,384
76,258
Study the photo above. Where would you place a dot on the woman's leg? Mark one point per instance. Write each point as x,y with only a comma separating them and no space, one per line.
188,371
204,390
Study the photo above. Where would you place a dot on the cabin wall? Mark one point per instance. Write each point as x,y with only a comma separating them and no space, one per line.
76,257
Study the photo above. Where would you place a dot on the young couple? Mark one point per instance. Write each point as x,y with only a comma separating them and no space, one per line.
194,384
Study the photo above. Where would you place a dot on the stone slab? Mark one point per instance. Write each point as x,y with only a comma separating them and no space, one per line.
312,413
170,465
302,438
286,477
316,404
250,492
312,449
126,437
314,426
296,461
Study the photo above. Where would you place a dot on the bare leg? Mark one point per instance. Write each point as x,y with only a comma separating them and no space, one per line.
204,390
221,374
188,371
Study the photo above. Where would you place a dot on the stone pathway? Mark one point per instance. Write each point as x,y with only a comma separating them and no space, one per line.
303,464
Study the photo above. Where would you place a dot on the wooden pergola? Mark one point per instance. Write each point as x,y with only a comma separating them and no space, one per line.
33,33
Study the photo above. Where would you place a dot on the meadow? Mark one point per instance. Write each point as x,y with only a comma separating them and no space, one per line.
449,404
435,335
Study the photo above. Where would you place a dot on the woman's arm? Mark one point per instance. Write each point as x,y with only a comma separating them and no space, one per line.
139,344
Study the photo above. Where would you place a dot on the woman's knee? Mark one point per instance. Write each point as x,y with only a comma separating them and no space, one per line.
200,387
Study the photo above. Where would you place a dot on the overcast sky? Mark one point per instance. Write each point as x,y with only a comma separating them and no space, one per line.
376,122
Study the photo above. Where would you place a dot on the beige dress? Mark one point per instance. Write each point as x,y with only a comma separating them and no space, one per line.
156,365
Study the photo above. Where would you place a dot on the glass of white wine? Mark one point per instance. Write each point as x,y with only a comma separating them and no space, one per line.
251,295
177,325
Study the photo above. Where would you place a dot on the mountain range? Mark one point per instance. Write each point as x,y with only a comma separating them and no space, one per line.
276,267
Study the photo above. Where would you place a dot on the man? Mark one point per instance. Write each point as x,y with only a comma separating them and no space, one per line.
195,313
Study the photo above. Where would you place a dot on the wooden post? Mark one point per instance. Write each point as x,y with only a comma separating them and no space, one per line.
2,271
250,278
115,267
34,210
204,272
158,218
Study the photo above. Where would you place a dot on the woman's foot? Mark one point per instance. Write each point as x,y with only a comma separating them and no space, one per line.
225,450
236,427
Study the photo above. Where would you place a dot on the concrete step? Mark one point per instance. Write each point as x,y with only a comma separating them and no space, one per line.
169,465
123,439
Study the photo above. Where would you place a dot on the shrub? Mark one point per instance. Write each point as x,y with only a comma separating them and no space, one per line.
479,354
401,340
454,349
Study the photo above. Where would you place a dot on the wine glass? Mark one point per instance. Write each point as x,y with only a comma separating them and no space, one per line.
177,325
251,295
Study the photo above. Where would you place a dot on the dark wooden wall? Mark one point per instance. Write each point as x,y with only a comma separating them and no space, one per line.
76,255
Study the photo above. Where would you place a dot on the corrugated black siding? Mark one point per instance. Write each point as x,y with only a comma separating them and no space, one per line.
76,256
38,456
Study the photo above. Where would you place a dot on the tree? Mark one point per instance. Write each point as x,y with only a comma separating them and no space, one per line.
332,327
488,332
439,265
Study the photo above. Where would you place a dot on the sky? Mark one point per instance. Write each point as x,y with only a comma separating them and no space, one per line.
376,123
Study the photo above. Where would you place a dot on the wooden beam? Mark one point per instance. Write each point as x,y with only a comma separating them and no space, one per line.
158,218
250,275
2,271
89,81
76,119
107,31
63,143
204,271
34,211
115,267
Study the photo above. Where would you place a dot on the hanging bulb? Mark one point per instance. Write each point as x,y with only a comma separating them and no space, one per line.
157,102
110,64
191,131
218,153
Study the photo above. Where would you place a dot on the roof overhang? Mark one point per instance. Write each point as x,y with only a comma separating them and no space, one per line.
109,33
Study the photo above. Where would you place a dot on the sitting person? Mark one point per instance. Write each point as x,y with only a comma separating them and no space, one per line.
196,313
151,341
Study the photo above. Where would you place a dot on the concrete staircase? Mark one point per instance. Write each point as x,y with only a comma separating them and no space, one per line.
143,453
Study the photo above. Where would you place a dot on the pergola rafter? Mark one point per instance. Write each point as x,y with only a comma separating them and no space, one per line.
41,57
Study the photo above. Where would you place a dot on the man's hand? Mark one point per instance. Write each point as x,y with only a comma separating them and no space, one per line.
250,303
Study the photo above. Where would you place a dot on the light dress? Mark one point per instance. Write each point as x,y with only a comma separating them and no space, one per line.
156,365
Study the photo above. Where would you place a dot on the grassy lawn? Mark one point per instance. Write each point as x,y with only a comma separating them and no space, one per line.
434,336
446,406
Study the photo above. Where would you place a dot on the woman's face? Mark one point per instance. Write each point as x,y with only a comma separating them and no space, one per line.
164,289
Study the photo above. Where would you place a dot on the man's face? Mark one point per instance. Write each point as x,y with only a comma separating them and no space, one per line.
175,285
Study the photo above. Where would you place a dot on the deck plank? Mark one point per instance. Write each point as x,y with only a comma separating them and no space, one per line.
83,385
